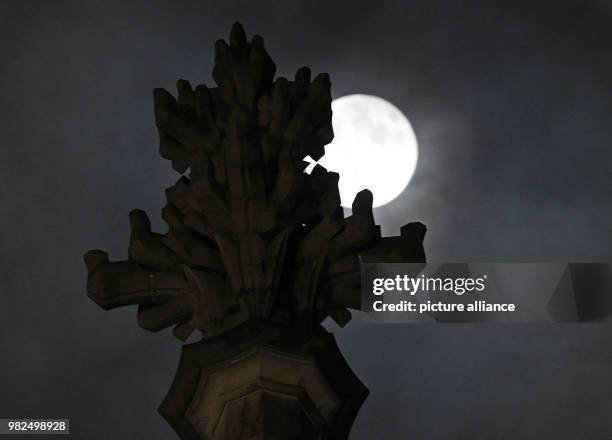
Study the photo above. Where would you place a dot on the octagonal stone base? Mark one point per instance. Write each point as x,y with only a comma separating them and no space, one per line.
265,382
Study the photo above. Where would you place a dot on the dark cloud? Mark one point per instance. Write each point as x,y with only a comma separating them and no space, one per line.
510,102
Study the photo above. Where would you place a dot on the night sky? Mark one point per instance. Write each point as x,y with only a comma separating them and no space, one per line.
511,102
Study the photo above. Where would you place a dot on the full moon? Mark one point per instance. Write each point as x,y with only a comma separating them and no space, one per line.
374,147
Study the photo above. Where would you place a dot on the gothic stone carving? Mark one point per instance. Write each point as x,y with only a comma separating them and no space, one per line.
257,254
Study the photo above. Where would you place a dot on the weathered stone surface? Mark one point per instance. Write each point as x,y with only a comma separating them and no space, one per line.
263,381
252,240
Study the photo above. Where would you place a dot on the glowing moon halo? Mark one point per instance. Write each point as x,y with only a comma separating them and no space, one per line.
374,147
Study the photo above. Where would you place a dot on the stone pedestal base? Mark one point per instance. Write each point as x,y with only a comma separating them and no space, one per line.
264,382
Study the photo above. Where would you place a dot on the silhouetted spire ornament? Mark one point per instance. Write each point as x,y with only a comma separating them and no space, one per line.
257,254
